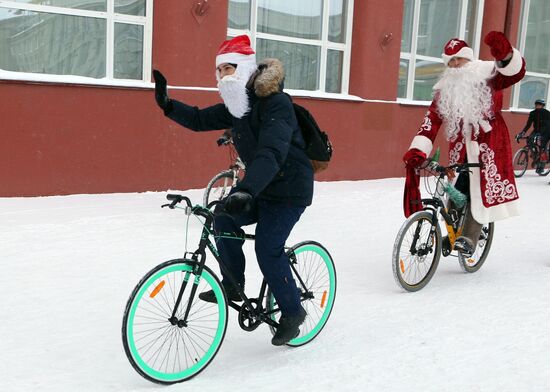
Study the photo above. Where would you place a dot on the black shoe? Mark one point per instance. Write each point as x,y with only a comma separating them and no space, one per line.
465,246
288,328
446,246
230,291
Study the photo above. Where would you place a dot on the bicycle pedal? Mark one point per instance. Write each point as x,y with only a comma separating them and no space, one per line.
446,246
464,246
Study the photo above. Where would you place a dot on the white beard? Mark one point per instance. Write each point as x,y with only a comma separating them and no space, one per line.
232,89
464,99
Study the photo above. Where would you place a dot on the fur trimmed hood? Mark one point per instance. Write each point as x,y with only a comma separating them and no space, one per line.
269,78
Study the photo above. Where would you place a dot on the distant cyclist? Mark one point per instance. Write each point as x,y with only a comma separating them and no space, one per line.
540,120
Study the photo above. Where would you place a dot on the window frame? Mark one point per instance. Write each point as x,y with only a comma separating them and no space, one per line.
323,43
413,57
522,36
111,18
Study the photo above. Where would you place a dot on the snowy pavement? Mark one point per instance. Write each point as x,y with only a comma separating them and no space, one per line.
69,264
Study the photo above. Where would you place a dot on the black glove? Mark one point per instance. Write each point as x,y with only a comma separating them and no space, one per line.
239,201
222,140
161,92
519,136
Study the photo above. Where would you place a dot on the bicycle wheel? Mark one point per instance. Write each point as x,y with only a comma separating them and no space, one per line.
520,162
416,251
156,348
315,267
219,186
474,262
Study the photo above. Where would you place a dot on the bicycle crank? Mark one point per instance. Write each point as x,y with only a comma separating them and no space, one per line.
249,319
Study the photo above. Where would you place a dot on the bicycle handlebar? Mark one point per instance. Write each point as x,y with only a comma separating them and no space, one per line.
223,141
518,138
176,199
190,209
213,203
458,167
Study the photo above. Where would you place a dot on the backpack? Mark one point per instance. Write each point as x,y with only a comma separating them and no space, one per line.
318,146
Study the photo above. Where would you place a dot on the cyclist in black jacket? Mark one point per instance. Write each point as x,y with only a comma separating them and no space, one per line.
278,184
540,120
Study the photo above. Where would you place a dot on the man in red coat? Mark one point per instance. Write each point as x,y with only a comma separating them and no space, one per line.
468,102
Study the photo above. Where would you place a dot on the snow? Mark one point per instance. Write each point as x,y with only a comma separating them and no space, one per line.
70,263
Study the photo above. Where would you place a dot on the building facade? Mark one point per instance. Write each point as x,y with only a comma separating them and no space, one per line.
77,112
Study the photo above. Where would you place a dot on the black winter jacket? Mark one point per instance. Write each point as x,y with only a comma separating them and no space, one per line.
267,139
540,119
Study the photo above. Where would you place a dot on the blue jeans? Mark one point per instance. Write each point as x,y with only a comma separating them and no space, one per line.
274,224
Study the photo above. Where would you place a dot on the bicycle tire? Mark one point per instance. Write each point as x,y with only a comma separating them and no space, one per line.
405,264
473,263
149,337
316,268
520,162
219,186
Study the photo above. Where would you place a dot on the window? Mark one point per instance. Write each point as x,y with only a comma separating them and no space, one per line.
534,37
311,37
108,39
427,26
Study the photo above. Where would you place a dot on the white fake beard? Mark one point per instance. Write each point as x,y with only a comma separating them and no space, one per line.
232,89
464,99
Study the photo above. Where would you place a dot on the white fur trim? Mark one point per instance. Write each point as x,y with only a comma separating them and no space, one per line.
498,212
481,213
466,53
514,66
422,143
235,58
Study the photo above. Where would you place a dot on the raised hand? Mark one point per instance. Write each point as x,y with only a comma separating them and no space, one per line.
499,44
161,91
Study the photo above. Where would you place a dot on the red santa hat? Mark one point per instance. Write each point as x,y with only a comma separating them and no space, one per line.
457,48
236,51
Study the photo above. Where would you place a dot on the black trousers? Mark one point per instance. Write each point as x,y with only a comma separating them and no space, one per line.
274,224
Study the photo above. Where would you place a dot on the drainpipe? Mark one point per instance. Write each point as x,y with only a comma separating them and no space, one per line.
508,20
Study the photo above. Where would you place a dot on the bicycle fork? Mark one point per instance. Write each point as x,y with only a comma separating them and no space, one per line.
197,271
426,248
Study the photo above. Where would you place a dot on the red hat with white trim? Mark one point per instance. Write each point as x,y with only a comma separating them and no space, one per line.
457,48
236,51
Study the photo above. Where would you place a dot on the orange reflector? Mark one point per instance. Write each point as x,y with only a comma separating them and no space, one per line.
157,289
323,299
402,266
471,261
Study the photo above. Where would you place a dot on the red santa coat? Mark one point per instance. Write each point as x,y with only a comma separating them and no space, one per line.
493,190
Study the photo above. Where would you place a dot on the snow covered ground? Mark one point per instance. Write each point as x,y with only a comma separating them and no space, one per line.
70,263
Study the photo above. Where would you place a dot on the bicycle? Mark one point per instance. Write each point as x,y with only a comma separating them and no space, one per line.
170,335
530,150
419,243
220,185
